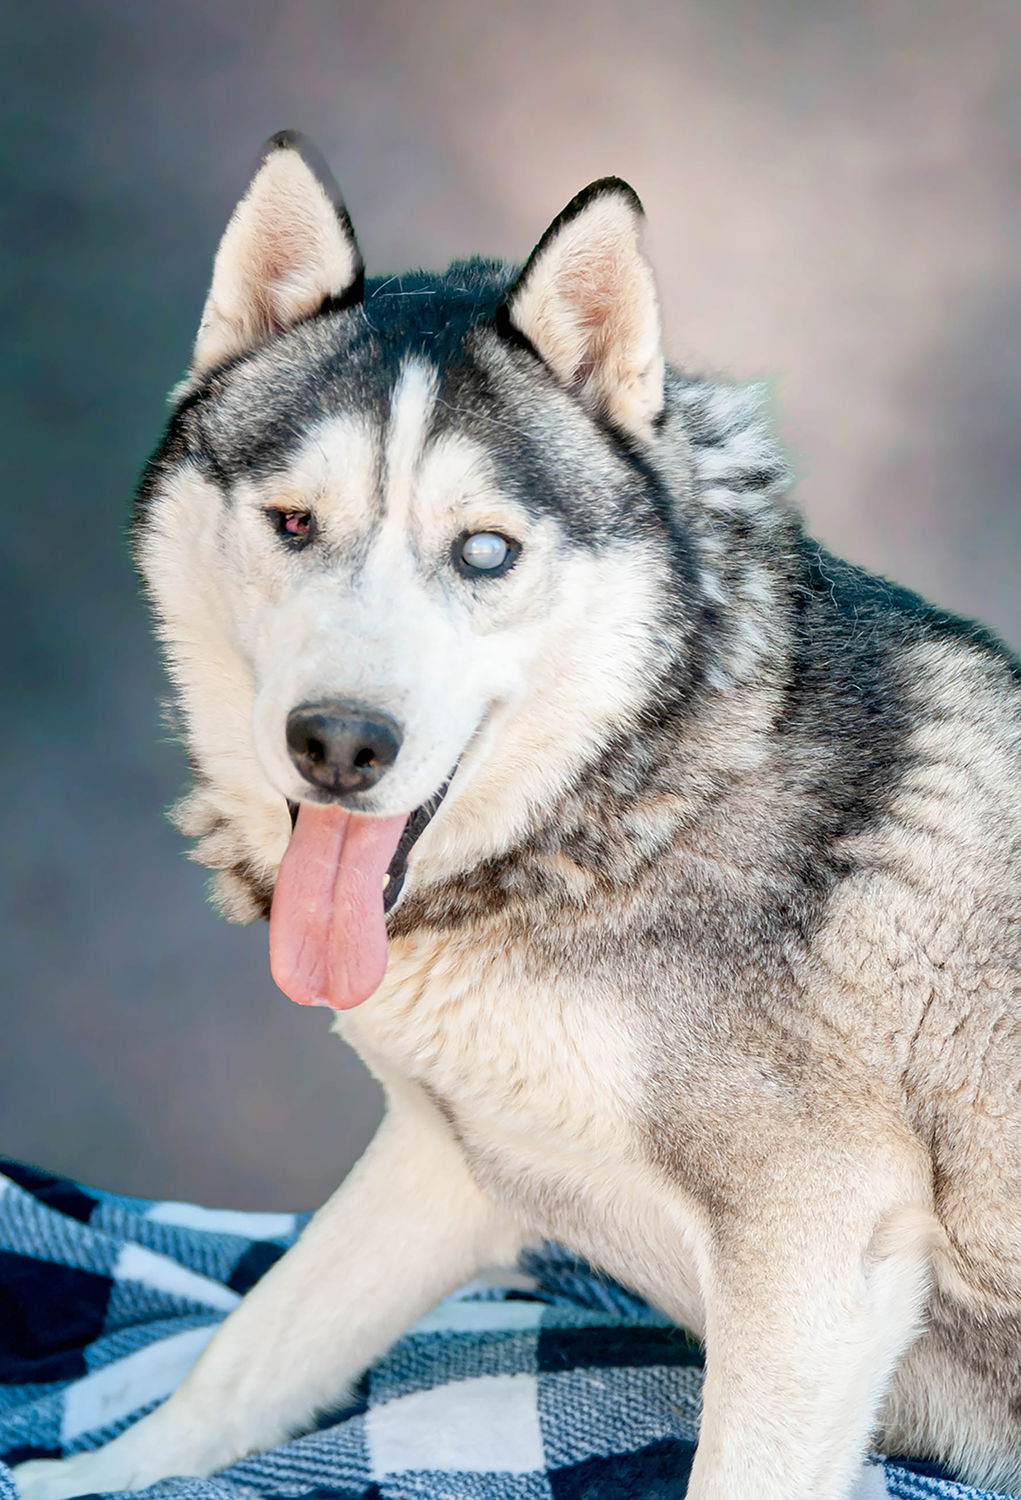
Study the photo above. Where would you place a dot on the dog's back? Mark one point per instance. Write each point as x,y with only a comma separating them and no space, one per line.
920,957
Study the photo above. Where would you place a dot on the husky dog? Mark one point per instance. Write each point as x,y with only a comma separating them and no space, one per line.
665,869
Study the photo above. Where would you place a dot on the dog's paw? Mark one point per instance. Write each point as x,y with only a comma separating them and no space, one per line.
60,1478
131,1462
170,1441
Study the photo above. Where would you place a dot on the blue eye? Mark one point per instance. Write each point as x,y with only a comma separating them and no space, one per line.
486,552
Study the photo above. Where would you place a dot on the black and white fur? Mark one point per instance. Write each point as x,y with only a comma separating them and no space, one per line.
709,964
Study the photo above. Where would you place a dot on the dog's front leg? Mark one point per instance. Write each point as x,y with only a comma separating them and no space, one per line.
407,1226
809,1305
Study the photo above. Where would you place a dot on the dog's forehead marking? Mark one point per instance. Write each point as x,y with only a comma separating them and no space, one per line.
397,473
411,411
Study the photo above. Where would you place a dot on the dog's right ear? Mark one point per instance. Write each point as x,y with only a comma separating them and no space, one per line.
288,248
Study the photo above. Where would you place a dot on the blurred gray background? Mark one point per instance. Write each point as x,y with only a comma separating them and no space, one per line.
834,198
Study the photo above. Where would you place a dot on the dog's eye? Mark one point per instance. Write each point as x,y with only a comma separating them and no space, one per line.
294,526
486,552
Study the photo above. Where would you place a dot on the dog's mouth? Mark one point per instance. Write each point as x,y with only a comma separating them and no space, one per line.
397,869
341,874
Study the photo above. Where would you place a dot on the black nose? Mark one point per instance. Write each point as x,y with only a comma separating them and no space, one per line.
341,748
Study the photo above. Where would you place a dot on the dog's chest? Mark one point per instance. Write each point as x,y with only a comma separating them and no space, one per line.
540,1082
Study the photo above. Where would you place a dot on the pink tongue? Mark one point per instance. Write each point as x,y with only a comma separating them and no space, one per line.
327,930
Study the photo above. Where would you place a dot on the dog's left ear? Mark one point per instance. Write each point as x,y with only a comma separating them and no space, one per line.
586,302
288,248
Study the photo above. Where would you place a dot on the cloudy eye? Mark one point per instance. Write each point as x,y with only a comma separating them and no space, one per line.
486,552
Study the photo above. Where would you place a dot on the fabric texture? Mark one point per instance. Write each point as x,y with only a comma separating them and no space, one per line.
548,1382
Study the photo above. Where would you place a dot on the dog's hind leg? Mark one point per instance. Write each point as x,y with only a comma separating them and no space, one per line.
407,1226
956,1396
809,1306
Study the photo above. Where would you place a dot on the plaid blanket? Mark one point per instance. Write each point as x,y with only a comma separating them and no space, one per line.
546,1383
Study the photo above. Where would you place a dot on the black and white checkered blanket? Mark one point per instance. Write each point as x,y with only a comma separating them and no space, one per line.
552,1384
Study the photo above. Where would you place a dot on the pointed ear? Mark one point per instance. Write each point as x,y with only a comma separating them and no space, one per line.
586,301
288,247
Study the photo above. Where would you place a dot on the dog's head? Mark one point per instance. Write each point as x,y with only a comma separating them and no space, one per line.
405,542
